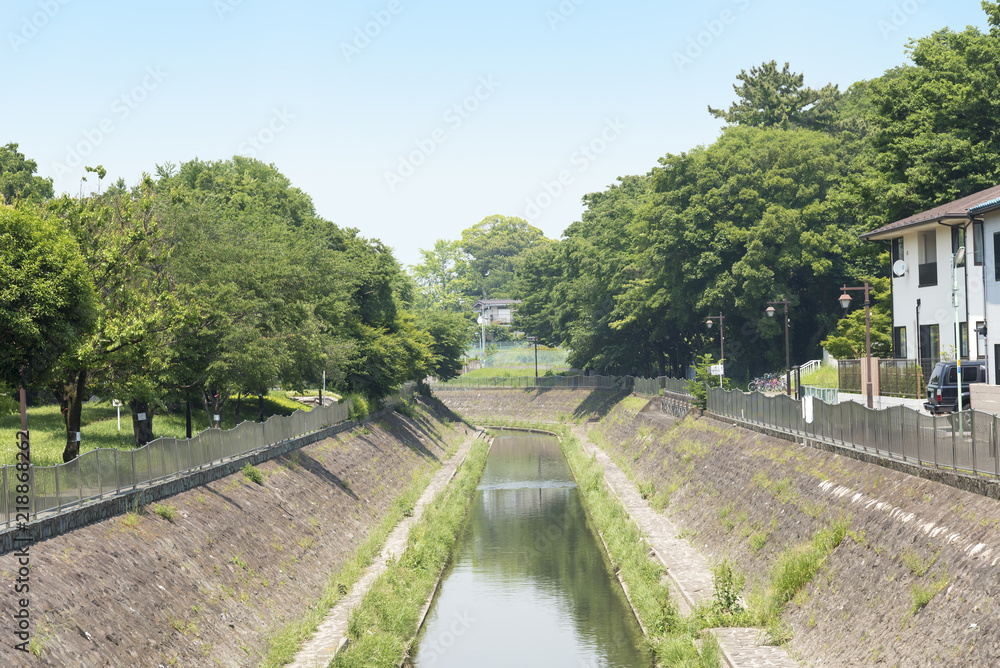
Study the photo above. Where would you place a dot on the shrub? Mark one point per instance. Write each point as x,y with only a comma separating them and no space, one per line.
359,407
165,511
253,474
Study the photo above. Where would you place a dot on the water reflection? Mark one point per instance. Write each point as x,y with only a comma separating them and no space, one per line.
529,584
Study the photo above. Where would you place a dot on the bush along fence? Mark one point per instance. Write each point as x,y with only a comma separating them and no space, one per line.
108,472
965,442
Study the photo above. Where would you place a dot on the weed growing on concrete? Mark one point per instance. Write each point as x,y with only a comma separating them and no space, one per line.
165,511
284,644
383,626
918,565
647,488
922,595
253,474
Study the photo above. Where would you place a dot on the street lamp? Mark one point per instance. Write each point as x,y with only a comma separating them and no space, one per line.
534,340
845,302
957,259
722,336
788,364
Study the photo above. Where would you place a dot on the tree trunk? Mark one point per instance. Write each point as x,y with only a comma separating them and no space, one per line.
187,416
71,403
239,404
142,429
260,407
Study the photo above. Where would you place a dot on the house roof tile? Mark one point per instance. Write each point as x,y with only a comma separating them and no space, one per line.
959,208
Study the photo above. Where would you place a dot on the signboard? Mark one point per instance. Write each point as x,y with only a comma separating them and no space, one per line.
717,370
140,416
807,409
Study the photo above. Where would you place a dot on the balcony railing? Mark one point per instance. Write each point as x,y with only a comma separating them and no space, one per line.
927,274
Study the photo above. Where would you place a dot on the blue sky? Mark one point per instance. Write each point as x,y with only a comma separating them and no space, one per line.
414,119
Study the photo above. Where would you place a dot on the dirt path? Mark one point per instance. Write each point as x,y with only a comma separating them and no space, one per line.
332,632
687,568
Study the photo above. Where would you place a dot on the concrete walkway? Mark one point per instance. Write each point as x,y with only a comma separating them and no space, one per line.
689,571
319,650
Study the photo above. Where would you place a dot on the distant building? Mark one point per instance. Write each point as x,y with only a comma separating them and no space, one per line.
496,311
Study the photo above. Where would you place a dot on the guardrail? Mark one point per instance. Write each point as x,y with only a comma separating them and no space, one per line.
108,472
965,442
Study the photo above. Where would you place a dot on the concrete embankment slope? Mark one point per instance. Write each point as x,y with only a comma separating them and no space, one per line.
235,563
914,583
538,405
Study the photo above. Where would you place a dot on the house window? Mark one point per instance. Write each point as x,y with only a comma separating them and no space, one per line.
963,340
927,257
977,242
899,342
957,241
980,339
930,343
897,250
996,256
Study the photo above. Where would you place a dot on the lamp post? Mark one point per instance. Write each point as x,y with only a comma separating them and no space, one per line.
845,302
788,364
957,259
534,340
482,339
722,337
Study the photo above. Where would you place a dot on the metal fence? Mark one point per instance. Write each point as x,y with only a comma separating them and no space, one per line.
965,442
107,472
515,382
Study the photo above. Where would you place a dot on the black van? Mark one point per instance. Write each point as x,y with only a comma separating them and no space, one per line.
942,388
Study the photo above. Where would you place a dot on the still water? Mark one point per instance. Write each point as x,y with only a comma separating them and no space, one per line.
529,584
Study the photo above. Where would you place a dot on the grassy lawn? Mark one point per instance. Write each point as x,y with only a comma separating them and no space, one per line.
100,426
825,376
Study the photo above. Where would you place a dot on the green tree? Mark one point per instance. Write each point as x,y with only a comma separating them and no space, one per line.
933,135
770,98
848,341
495,247
438,276
46,296
17,180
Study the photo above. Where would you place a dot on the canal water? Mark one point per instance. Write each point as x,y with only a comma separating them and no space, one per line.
530,583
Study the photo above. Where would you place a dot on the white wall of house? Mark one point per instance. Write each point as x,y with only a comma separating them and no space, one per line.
991,228
922,245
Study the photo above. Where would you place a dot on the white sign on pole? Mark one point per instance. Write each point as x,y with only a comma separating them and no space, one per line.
807,409
717,370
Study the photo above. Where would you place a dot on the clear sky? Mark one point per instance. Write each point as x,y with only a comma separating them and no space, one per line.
414,119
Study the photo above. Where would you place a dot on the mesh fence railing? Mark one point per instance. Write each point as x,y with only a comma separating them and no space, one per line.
965,442
105,472
515,382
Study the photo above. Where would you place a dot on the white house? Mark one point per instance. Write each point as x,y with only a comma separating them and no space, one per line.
496,311
987,216
923,249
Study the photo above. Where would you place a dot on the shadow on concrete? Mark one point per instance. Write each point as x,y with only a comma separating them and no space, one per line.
317,469
600,402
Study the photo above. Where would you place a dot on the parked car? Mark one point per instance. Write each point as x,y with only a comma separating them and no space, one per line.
942,389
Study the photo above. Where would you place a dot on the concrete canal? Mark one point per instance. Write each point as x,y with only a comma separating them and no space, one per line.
530,583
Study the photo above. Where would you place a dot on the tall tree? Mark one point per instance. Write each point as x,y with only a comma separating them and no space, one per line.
17,179
770,98
495,247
